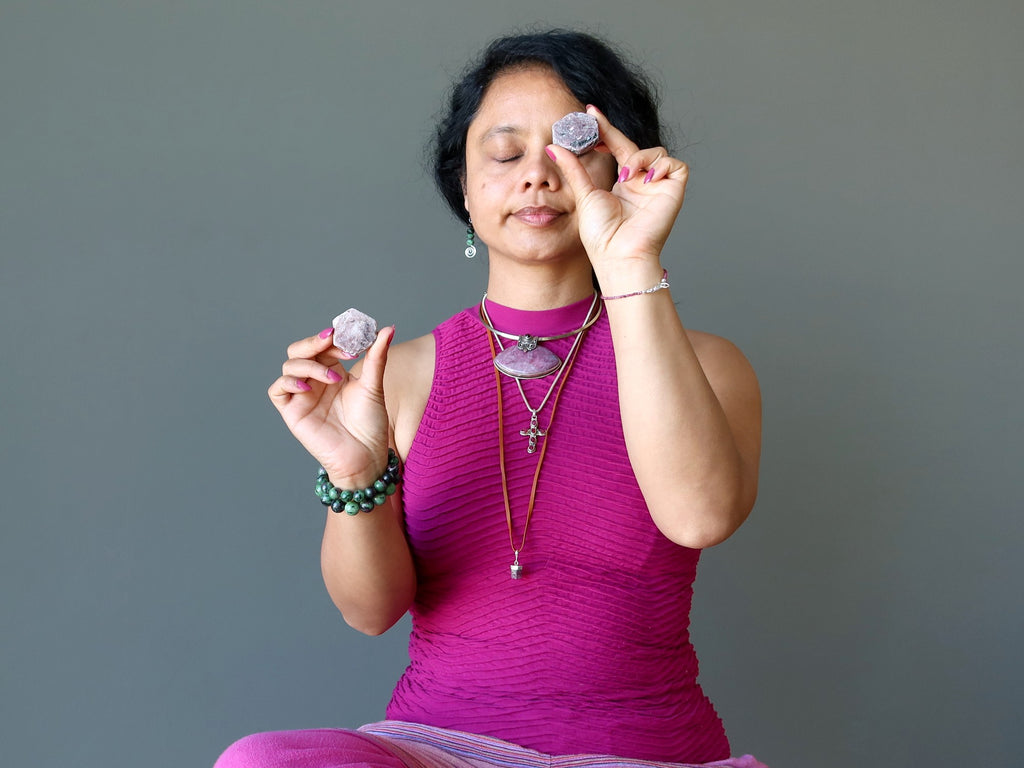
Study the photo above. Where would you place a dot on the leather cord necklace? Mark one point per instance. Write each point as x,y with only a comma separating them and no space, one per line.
516,569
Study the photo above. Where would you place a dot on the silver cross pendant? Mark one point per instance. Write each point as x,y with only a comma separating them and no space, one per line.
533,433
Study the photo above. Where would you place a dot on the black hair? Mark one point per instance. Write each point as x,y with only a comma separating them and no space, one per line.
593,71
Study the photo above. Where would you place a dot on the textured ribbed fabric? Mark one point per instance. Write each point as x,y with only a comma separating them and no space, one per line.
589,652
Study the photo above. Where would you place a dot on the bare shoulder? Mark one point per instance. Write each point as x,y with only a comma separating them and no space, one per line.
734,383
413,354
408,377
725,366
717,351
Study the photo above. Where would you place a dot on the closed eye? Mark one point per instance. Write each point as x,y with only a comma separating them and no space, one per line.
507,159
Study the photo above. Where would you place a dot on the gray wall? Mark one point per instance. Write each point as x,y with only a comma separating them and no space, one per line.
185,187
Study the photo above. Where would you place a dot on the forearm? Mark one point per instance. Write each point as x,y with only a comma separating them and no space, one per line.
680,442
367,567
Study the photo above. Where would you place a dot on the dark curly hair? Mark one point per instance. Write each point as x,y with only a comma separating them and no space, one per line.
591,69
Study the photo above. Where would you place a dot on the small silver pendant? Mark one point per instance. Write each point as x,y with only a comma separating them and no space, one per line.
533,432
516,568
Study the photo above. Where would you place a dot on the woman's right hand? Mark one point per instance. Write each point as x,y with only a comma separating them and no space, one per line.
339,417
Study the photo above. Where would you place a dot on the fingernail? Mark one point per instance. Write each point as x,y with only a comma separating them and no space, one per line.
550,153
624,174
304,386
326,332
333,375
649,176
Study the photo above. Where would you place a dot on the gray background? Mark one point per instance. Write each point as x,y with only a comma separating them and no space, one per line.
186,187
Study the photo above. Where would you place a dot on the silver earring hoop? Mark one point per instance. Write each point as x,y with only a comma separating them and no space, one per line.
470,241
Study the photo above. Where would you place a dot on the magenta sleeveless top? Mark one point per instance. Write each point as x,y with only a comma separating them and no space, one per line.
589,652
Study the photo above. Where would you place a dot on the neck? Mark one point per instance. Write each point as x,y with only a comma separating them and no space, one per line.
537,287
542,322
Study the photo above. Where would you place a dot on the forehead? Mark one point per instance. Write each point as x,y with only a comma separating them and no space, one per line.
518,96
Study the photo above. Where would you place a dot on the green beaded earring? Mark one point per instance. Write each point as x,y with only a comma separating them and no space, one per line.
470,240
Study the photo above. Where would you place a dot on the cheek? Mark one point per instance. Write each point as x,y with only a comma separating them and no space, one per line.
482,189
478,195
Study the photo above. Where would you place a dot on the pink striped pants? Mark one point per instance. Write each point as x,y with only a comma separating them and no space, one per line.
393,744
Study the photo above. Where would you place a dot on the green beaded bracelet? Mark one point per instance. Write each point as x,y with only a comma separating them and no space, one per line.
365,499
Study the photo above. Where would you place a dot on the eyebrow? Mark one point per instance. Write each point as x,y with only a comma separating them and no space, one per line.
497,131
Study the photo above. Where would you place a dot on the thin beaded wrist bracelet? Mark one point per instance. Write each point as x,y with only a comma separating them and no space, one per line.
365,499
660,286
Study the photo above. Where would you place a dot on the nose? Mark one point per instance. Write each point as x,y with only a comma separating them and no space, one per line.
539,171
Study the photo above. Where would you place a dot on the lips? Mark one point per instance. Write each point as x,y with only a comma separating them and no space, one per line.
537,216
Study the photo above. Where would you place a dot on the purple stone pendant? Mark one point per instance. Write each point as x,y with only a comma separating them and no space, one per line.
533,363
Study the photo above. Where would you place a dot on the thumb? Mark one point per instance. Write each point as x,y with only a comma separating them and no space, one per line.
572,171
372,374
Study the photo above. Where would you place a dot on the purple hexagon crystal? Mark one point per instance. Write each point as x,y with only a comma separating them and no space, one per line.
354,332
577,132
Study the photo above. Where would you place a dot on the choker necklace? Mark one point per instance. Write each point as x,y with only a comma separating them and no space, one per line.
527,360
516,570
534,431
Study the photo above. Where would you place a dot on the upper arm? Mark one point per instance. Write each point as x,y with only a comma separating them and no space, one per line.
736,388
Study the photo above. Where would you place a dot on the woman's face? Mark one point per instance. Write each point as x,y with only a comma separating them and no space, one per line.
520,205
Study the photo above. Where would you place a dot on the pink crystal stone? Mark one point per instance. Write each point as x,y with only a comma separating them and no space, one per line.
577,132
354,332
519,364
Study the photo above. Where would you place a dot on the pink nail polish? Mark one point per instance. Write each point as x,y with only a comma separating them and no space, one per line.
333,375
326,332
649,176
304,386
624,174
550,154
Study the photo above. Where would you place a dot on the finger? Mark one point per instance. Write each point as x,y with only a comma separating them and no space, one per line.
662,167
672,173
653,164
615,141
284,387
302,368
638,165
332,356
312,346
372,373
572,171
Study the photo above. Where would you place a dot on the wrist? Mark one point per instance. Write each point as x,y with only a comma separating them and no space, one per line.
359,496
625,279
347,476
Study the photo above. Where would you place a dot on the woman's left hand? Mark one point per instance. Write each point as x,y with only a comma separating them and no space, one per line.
634,219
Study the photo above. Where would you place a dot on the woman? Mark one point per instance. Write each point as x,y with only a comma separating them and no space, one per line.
566,451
